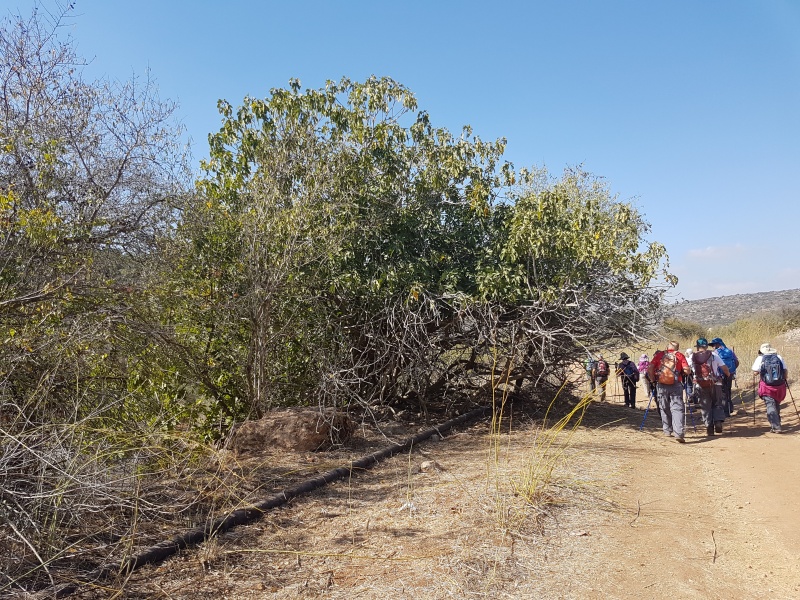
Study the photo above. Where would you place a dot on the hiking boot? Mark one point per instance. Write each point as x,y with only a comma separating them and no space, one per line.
718,426
680,440
777,430
710,430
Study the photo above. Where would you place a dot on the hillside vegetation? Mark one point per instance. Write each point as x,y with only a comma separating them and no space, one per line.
724,310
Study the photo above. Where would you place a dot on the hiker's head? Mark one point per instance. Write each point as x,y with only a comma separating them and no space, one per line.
767,349
643,358
673,346
716,343
702,344
623,356
599,357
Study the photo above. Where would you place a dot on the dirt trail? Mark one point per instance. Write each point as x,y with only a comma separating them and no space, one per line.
712,518
629,514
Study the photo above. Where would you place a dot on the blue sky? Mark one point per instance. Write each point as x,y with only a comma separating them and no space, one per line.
690,109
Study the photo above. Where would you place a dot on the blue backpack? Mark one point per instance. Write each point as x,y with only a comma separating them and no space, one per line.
728,357
772,370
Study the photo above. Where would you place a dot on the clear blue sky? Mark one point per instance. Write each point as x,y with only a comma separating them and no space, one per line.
689,108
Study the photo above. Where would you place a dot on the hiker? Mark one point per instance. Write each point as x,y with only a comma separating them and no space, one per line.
589,365
629,374
705,365
666,370
771,371
688,382
600,376
728,356
644,364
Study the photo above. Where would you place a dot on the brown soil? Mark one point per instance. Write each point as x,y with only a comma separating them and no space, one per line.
627,514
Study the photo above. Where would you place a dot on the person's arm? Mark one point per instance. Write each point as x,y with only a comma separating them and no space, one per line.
685,366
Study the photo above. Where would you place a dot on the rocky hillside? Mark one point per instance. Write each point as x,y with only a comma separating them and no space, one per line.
723,310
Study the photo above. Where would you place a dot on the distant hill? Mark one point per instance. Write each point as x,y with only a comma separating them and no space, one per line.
723,310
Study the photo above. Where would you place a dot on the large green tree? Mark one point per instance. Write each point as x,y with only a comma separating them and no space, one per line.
343,249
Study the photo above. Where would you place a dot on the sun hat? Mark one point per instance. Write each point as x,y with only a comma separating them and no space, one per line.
623,356
767,349
717,342
702,343
644,357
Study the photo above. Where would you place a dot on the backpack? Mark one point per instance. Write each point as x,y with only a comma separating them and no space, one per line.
602,369
729,358
630,371
667,373
772,370
703,374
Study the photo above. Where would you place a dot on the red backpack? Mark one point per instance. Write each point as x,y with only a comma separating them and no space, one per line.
703,373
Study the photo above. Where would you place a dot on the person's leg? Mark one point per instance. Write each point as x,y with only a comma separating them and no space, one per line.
626,391
662,394
676,406
718,411
633,393
726,395
704,397
602,385
773,413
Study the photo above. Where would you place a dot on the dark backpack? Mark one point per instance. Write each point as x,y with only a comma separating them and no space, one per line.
630,371
772,370
703,374
602,369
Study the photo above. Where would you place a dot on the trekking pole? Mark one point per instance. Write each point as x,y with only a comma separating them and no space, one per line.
646,410
788,389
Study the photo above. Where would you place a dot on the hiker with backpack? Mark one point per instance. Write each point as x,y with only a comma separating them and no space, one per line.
708,386
629,374
728,356
600,376
589,365
771,371
666,370
688,381
643,366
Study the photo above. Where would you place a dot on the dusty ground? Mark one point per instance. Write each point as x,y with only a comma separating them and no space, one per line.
627,514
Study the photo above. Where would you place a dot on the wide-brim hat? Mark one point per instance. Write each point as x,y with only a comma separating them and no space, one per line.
767,349
623,356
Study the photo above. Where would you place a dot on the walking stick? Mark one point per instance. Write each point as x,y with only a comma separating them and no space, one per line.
788,389
646,410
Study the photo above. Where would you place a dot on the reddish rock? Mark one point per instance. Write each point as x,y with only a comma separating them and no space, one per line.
299,429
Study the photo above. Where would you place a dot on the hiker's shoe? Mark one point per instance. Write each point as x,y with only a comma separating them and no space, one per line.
680,440
710,430
718,426
777,430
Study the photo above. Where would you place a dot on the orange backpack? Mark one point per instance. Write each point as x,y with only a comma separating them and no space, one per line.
667,373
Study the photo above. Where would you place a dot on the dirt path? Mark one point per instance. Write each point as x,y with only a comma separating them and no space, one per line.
628,514
713,518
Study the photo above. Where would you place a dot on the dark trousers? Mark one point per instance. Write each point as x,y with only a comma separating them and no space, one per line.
726,395
629,389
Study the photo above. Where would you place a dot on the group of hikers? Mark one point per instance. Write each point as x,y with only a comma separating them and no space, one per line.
703,376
